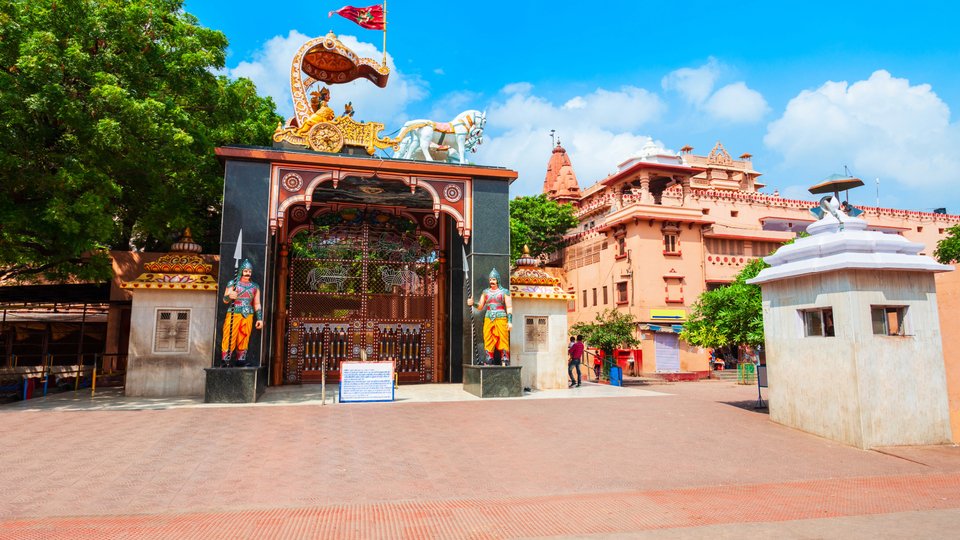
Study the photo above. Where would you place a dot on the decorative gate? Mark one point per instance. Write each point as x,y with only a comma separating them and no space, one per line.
363,285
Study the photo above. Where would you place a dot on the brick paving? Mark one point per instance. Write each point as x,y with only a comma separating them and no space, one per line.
698,456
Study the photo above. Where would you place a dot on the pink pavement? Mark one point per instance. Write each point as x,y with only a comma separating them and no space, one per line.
695,457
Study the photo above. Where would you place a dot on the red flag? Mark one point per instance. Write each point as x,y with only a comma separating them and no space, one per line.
371,17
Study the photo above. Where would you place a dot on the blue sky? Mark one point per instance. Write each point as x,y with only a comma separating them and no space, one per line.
807,88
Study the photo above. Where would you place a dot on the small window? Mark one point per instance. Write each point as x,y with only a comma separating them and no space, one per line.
172,331
605,295
734,213
621,246
670,243
572,303
535,334
919,229
887,321
818,322
622,293
584,298
594,296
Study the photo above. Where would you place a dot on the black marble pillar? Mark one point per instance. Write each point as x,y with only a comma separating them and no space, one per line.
489,248
456,298
246,196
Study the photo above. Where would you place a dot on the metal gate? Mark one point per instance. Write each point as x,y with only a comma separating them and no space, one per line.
667,352
363,285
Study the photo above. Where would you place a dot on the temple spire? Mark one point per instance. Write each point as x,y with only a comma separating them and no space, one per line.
560,183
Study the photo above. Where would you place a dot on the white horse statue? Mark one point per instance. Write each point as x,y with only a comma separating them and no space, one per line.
421,139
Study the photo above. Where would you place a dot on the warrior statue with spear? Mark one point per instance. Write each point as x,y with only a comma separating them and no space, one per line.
497,320
243,297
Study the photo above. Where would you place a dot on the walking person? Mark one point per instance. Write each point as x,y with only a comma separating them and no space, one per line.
576,355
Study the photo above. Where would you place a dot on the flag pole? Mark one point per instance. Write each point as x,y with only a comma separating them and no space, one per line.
384,33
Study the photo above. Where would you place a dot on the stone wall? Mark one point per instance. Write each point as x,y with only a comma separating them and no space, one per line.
153,374
543,369
948,303
859,388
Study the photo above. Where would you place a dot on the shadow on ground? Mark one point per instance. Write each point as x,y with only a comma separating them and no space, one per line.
749,405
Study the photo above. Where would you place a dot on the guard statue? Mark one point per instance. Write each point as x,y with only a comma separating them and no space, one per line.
243,296
497,320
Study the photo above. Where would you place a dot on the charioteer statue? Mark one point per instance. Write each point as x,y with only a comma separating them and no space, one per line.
497,320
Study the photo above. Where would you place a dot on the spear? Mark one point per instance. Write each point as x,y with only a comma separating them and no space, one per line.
237,255
469,286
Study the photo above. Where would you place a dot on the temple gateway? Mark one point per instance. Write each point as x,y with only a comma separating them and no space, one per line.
359,256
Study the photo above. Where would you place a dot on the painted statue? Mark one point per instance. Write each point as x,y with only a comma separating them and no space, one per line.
243,297
497,319
422,139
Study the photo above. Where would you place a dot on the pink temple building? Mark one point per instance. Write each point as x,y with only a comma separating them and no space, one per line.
666,227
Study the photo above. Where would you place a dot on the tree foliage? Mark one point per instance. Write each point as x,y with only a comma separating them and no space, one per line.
948,249
109,115
609,330
538,222
728,315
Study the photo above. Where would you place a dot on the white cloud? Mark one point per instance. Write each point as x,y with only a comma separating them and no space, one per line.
517,88
694,84
594,128
575,103
732,103
881,127
270,71
737,103
452,104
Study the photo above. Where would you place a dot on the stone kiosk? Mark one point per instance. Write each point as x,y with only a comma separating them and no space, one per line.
171,324
539,341
853,342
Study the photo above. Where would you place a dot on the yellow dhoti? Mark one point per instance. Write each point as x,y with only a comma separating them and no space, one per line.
236,335
496,337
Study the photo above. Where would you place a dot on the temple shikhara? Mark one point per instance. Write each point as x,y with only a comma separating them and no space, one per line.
668,226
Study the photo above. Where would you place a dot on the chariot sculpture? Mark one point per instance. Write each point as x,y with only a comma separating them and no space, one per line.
327,61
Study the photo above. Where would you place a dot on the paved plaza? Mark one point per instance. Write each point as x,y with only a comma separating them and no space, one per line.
682,460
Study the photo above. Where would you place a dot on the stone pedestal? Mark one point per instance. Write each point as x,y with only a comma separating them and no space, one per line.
234,385
492,381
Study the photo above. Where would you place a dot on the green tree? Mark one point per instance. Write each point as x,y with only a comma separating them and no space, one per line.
948,249
728,315
109,114
538,222
609,330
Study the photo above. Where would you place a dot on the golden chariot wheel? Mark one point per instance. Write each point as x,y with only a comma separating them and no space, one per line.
325,137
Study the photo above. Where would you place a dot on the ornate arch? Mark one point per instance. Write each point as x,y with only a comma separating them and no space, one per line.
296,185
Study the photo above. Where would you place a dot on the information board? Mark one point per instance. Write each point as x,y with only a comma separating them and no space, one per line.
366,381
762,376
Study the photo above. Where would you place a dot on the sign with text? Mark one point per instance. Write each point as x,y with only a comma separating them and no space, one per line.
366,381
